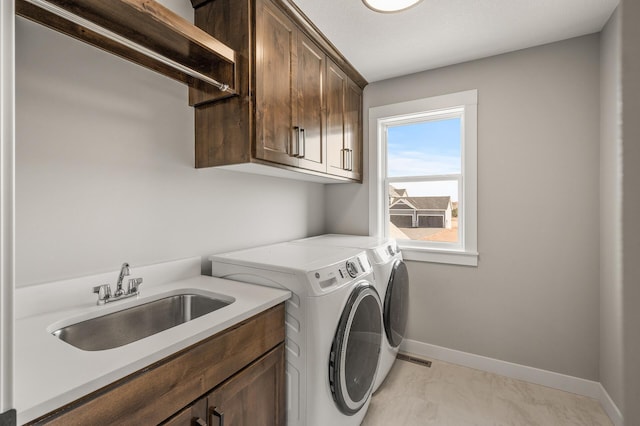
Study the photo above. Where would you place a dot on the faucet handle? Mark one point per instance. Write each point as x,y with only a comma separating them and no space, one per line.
103,291
134,286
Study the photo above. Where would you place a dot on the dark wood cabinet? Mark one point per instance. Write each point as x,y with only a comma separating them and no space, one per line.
344,124
251,397
276,106
240,369
293,103
336,84
353,129
287,114
310,131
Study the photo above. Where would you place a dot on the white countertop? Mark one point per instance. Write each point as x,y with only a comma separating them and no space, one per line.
50,373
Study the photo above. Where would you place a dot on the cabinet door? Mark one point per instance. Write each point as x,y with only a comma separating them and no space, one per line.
276,107
353,129
255,396
344,124
311,70
335,93
194,415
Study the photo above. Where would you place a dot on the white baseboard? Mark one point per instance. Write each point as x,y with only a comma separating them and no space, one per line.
563,382
610,407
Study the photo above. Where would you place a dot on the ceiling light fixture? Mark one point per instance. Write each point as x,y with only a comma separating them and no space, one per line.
390,6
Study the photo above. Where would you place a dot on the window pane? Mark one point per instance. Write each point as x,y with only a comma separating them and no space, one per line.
426,148
424,211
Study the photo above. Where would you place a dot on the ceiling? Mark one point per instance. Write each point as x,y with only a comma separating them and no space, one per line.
437,33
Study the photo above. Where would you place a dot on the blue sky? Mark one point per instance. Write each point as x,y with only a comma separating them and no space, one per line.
427,148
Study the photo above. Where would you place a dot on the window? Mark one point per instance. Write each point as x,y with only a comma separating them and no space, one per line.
423,177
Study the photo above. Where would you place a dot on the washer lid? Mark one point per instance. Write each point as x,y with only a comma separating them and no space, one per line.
355,352
396,304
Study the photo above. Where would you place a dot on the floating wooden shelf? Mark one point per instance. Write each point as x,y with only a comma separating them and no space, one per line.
170,44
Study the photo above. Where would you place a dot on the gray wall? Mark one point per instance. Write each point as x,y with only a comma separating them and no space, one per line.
611,359
631,207
533,299
105,154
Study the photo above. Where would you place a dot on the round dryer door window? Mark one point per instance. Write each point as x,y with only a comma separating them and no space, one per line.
396,304
356,350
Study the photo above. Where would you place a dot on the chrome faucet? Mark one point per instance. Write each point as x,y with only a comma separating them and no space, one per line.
104,290
124,271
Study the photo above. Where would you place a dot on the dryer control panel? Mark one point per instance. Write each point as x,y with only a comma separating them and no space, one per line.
386,252
341,273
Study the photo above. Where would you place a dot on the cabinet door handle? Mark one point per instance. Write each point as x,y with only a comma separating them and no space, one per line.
302,152
218,414
349,162
344,158
198,422
295,147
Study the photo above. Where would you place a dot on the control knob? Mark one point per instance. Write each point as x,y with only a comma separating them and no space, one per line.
352,269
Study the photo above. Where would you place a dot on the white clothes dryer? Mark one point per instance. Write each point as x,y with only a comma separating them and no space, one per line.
392,283
333,326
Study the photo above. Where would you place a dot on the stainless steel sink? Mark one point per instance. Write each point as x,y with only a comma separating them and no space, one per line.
128,325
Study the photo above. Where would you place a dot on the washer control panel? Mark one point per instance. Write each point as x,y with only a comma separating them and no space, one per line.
341,273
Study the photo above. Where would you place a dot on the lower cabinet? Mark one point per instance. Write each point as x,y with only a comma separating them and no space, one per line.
254,396
236,377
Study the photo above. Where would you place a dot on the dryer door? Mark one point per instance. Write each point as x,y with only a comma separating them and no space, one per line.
356,349
396,304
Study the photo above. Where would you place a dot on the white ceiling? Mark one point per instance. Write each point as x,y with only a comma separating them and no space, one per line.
437,33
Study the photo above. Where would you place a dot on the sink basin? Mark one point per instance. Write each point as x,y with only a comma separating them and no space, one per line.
128,325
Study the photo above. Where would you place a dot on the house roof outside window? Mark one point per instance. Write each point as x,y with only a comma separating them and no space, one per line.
426,203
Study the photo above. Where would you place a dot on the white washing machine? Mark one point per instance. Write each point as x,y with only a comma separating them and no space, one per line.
392,283
333,326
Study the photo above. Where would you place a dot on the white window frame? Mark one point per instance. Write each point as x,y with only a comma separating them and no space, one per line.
463,105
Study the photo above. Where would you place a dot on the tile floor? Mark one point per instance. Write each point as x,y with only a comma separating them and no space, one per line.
452,395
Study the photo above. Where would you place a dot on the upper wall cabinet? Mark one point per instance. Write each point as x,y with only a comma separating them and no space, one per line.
298,112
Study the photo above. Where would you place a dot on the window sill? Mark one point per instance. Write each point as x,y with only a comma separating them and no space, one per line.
451,257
